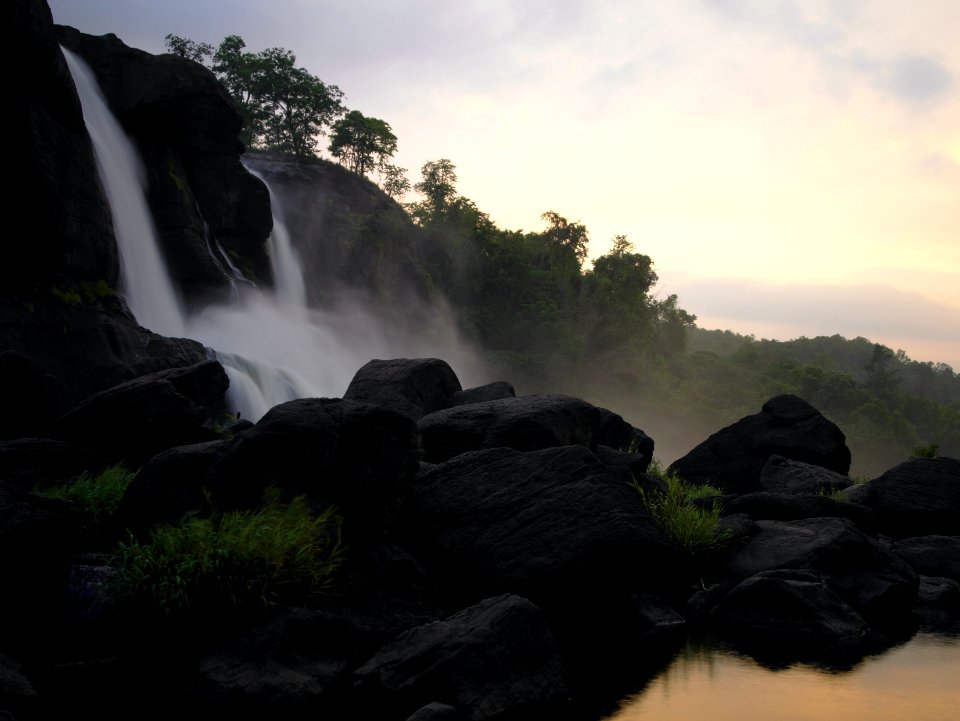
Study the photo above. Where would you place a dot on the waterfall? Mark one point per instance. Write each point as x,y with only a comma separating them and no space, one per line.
145,283
273,347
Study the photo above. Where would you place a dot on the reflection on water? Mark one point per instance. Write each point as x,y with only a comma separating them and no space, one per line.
916,681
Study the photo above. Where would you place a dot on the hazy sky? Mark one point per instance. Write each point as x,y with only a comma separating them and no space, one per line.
791,166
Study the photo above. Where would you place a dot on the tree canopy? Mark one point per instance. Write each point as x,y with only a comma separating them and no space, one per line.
362,143
283,106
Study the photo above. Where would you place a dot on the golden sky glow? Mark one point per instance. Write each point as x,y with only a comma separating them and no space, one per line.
783,143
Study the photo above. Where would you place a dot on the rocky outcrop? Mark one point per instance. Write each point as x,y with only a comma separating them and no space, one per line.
733,458
416,386
783,475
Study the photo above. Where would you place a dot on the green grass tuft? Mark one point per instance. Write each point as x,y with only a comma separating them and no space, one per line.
96,497
240,560
692,527
931,450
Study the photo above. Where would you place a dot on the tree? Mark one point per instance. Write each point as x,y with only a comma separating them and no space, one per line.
283,106
362,143
188,49
565,234
395,183
439,188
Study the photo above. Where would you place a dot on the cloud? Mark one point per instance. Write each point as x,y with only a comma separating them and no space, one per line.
917,79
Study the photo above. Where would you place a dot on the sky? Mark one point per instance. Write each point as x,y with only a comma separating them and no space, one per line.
792,167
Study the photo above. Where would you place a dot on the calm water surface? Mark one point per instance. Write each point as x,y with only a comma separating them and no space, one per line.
918,681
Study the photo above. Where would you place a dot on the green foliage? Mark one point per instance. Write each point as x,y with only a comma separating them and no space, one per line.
187,48
362,143
931,450
240,560
692,527
96,497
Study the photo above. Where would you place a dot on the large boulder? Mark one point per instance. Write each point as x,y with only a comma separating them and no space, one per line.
527,423
33,463
554,526
733,458
877,584
930,555
354,455
414,386
783,475
142,417
791,507
492,660
916,498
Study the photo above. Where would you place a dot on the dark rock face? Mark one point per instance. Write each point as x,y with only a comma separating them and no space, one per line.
931,555
352,238
41,462
790,507
783,475
68,225
874,582
489,392
354,455
792,607
30,396
525,423
142,417
414,387
733,458
491,660
551,525
186,126
916,498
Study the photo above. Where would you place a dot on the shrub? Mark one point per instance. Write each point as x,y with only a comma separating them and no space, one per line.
239,560
96,497
691,526
931,450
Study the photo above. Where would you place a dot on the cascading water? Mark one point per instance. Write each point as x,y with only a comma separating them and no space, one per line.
272,346
145,283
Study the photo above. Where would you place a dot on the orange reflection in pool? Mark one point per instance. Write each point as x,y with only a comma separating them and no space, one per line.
919,681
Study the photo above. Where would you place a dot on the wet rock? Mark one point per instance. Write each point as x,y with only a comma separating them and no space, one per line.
416,386
930,555
783,475
489,392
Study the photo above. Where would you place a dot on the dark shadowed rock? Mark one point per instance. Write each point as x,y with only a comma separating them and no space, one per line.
169,486
733,458
436,711
783,475
790,507
526,423
489,392
416,386
616,433
792,607
931,555
491,660
31,397
41,462
58,224
142,417
348,453
552,525
916,498
938,605
877,584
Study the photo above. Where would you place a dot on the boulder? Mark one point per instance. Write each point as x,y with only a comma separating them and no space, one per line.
792,607
354,455
416,386
169,486
783,475
930,555
733,458
150,414
874,582
32,463
918,497
526,423
554,526
492,660
489,392
790,507
31,397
